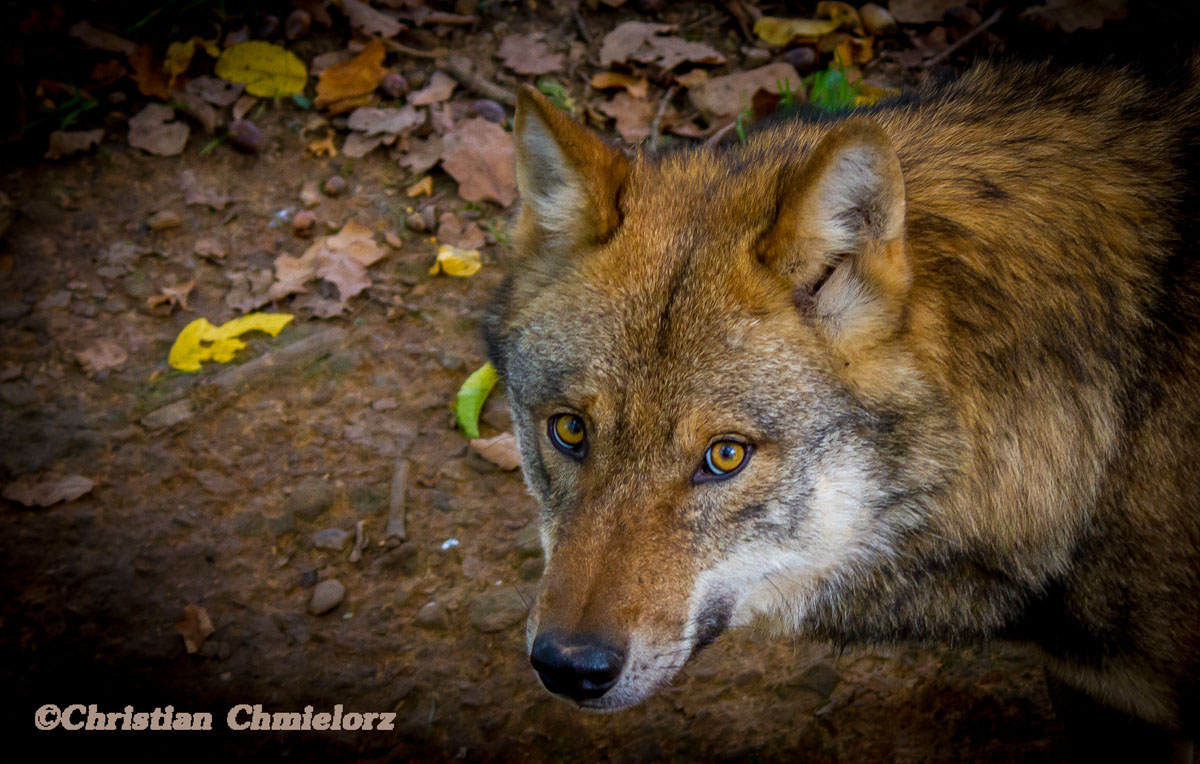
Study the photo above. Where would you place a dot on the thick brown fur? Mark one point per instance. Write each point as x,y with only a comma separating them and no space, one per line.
961,332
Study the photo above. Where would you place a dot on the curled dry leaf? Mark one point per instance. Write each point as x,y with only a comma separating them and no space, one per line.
369,21
201,341
197,193
215,91
64,143
638,87
152,131
172,296
423,187
462,234
529,54
779,31
149,76
352,81
723,97
105,354
322,146
98,39
341,259
358,145
439,88
500,450
633,116
46,490
479,155
372,121
641,41
422,154
198,109
195,627
456,262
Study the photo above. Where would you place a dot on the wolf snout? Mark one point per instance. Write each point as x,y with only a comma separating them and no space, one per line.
577,666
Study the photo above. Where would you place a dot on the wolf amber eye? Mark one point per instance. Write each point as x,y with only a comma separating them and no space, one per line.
567,434
723,459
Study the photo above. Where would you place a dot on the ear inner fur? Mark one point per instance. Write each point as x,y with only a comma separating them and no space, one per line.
569,177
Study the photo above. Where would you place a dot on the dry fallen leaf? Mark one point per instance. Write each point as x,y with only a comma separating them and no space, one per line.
422,154
323,146
98,39
179,58
108,72
640,41
197,193
243,105
372,121
149,76
1073,15
45,490
500,450
63,143
211,249
150,130
358,145
172,296
638,87
479,155
195,627
351,81
423,187
456,262
728,95
341,259
633,116
439,88
462,234
215,91
105,354
198,109
265,69
529,54
201,341
369,21
780,31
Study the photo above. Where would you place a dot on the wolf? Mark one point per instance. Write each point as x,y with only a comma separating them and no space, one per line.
927,371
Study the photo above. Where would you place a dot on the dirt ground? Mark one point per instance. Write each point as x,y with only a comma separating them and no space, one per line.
214,491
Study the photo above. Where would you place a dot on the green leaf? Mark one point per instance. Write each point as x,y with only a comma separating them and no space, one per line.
471,397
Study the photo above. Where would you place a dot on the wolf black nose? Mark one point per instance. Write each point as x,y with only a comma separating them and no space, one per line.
578,666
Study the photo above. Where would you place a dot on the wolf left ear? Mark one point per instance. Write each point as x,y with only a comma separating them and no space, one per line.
568,176
839,233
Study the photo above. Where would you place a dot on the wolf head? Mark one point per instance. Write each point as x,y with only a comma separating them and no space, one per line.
705,360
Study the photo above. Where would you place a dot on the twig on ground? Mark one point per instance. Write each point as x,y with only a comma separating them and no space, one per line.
360,540
939,58
716,137
459,68
397,525
583,32
415,52
288,357
656,125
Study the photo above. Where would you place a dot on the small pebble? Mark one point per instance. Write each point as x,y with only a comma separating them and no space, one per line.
164,219
308,579
244,135
268,27
302,224
415,222
310,194
330,538
489,110
297,25
326,596
876,19
334,185
432,616
803,58
394,85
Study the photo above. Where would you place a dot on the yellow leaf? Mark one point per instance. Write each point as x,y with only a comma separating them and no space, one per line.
210,46
179,58
869,94
779,31
456,262
267,70
423,187
201,341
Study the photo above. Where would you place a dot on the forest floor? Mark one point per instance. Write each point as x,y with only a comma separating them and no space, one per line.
176,498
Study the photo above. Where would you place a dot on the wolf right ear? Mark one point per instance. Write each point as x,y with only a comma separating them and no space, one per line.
568,176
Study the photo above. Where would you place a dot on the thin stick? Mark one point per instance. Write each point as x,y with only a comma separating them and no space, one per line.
583,32
716,137
415,52
397,525
939,58
656,125
458,67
